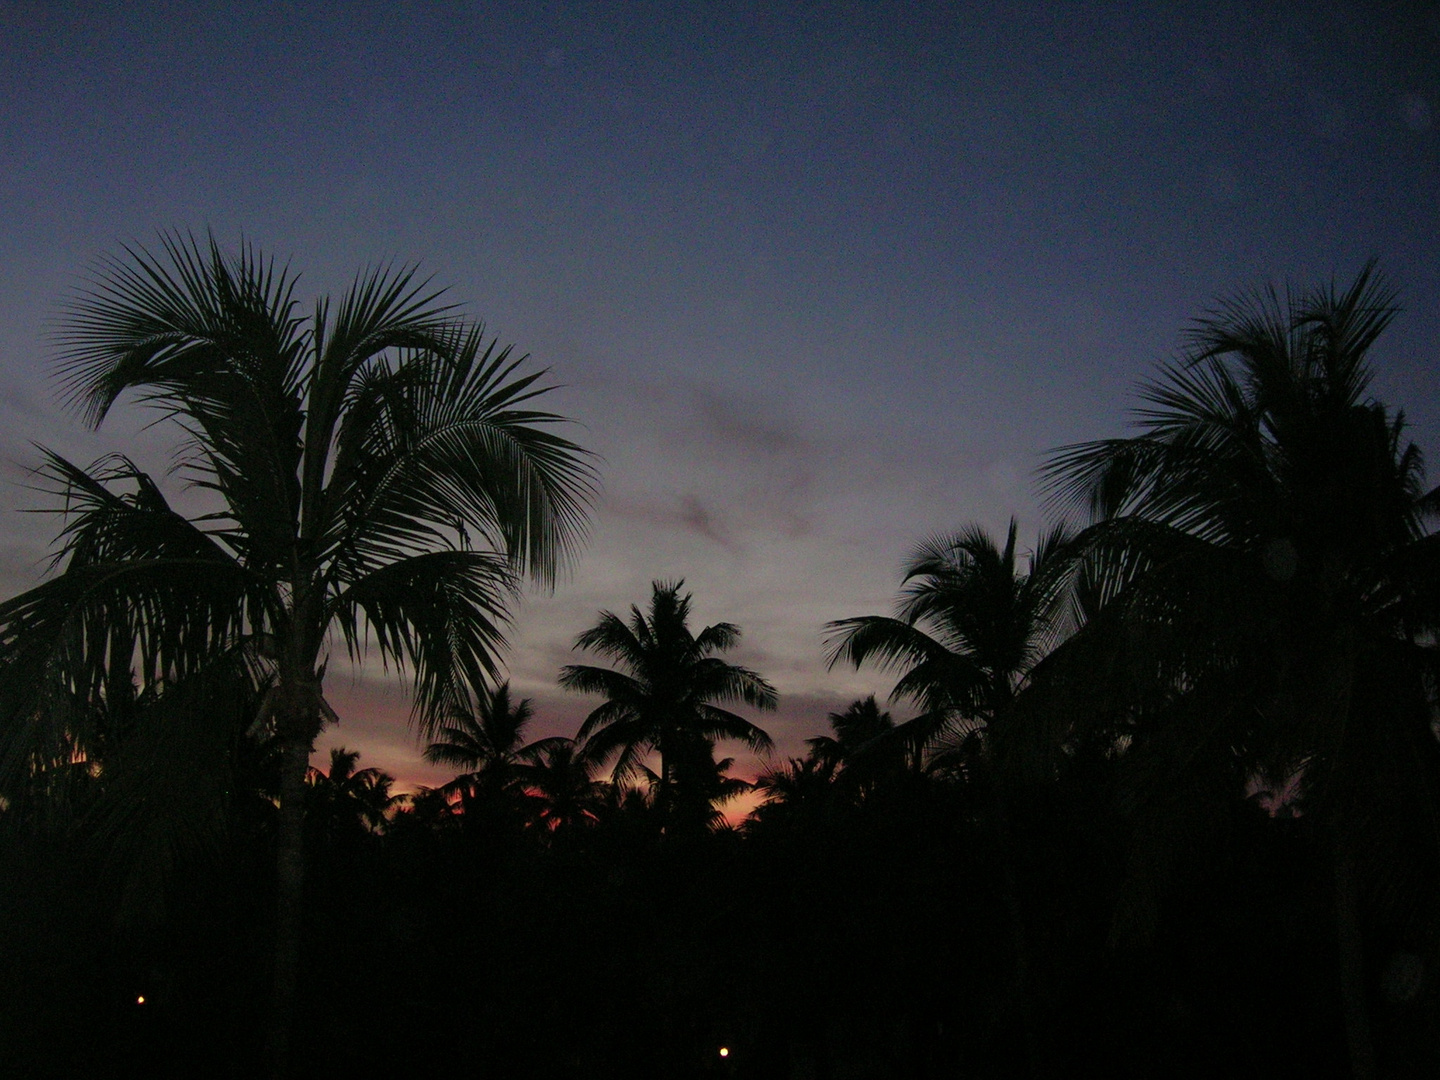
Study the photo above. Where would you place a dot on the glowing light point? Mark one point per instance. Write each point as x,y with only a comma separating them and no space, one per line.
724,1051
140,1000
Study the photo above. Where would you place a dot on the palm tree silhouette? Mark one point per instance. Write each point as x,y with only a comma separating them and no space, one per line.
1266,567
562,792
969,629
375,470
801,790
663,698
867,746
488,742
346,801
701,786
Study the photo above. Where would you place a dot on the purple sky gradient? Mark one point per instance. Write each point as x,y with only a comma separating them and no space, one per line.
818,279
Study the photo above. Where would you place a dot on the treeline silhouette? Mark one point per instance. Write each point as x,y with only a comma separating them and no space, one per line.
1155,797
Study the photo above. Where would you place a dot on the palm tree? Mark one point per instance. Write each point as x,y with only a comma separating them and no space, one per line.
969,627
375,470
867,746
346,801
1270,576
560,785
802,789
425,812
628,809
701,785
968,631
487,741
664,697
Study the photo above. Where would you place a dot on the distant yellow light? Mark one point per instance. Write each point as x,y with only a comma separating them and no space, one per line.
724,1051
140,1000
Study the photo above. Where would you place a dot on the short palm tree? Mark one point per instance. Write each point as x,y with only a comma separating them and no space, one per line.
867,746
561,789
374,470
664,697
801,789
350,801
701,785
487,740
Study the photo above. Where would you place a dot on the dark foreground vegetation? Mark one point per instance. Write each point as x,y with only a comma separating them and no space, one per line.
1164,800
838,940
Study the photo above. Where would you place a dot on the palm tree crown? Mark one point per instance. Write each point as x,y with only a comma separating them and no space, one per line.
969,626
560,787
490,738
664,697
377,470
488,742
1267,527
867,746
350,800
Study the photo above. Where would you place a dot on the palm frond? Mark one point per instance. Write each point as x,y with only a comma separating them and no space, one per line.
615,685
611,637
717,723
440,614
437,444
171,324
889,643
144,595
606,715
383,310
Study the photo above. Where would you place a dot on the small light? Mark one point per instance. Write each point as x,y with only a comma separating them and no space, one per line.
724,1051
140,1000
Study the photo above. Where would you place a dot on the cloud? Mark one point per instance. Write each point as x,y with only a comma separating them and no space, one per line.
695,516
688,513
731,422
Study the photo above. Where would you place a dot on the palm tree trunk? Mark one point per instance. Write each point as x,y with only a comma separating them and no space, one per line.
662,793
1019,938
1351,951
289,896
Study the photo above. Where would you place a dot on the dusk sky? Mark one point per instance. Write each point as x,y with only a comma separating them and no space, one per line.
818,279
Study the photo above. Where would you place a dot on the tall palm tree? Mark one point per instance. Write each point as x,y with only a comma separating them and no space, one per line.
375,470
1270,570
664,696
969,627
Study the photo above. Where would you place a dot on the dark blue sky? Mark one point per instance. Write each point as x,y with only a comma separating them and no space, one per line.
819,278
